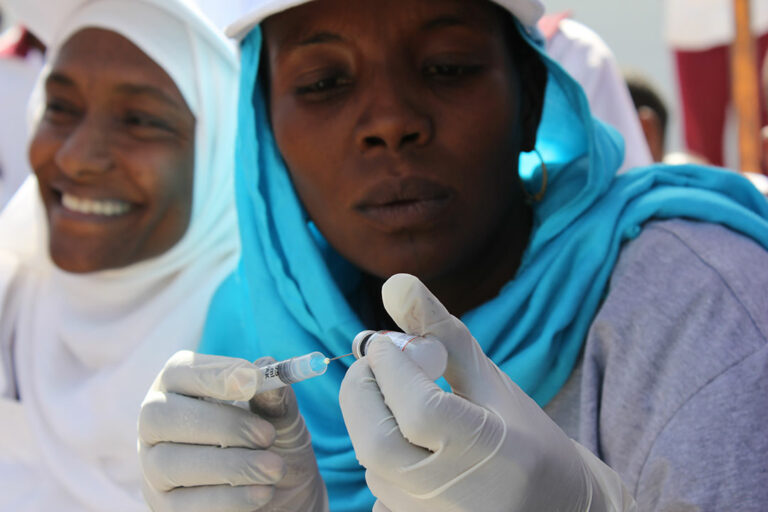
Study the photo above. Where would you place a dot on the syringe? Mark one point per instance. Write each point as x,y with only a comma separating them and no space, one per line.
295,369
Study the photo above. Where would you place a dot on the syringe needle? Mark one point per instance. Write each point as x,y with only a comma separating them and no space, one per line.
329,359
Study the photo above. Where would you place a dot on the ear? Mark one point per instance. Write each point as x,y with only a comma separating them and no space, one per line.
533,81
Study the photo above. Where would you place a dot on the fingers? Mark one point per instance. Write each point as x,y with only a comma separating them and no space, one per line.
390,497
417,311
221,498
279,406
169,466
373,430
200,375
181,419
460,433
380,507
416,402
413,307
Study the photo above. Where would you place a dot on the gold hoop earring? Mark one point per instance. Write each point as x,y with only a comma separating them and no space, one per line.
538,196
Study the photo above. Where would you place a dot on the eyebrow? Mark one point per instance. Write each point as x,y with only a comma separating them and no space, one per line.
319,38
128,89
60,79
148,90
445,21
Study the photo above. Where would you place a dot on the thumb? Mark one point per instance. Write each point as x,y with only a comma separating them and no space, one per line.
417,311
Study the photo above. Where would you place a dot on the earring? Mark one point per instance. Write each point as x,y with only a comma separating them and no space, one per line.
538,196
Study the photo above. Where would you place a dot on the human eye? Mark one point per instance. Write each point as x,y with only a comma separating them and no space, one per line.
60,111
146,124
450,70
323,87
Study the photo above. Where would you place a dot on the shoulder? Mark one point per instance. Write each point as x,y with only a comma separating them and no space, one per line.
684,297
675,262
675,362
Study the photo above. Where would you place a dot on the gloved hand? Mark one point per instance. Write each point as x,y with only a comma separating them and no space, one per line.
485,447
201,452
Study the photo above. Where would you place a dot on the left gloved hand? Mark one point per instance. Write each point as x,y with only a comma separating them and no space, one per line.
485,447
210,440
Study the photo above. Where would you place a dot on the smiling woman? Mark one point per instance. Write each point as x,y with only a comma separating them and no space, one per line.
113,154
110,254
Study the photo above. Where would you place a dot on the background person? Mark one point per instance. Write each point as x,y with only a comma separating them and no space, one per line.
110,254
587,58
651,111
385,138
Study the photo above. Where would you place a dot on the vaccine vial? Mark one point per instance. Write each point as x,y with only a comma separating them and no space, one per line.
428,353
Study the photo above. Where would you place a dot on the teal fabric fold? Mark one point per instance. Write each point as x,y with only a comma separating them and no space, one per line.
289,295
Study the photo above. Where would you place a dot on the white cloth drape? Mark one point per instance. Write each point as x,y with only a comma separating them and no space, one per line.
589,60
85,348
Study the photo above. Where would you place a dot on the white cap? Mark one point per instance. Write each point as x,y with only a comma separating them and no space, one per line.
255,11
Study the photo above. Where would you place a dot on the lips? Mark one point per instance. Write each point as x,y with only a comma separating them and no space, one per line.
405,204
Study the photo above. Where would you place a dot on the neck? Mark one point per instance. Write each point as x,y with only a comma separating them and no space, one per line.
475,282
494,265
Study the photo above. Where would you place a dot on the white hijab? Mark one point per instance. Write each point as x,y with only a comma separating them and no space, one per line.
87,346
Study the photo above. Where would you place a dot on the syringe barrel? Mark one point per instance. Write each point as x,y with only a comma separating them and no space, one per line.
428,353
290,371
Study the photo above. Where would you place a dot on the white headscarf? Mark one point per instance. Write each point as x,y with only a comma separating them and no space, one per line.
87,346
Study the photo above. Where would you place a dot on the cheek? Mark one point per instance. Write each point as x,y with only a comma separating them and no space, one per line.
314,149
166,178
483,142
42,150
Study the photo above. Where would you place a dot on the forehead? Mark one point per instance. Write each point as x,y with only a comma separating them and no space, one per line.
95,58
104,54
378,19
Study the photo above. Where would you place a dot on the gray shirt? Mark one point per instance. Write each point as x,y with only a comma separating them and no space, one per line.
672,388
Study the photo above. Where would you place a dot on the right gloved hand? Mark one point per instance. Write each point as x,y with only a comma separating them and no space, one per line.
201,453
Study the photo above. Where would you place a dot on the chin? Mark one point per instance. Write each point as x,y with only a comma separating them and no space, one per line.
425,268
82,261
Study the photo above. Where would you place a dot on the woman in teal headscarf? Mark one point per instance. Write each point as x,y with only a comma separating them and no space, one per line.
385,137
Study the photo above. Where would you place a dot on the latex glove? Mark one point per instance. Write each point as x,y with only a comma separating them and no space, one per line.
485,447
201,452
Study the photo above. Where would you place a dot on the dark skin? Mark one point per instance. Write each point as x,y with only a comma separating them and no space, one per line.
401,122
113,154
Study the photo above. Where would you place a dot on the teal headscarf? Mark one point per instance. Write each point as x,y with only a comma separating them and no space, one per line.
290,294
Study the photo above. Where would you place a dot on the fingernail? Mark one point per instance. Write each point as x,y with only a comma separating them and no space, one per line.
259,495
262,433
270,465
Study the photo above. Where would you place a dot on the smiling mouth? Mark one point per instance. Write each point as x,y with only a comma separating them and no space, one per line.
96,207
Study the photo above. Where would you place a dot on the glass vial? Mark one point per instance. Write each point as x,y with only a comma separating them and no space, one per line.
428,353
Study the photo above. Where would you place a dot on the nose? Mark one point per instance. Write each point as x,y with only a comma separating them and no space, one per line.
391,119
85,150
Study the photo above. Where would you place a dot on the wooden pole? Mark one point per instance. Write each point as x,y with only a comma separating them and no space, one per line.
744,89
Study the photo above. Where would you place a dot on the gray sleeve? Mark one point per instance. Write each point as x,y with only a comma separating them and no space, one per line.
713,452
675,371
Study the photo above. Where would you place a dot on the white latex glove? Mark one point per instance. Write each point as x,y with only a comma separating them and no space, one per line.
485,447
202,453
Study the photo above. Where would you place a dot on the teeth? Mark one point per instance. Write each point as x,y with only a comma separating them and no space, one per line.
106,207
